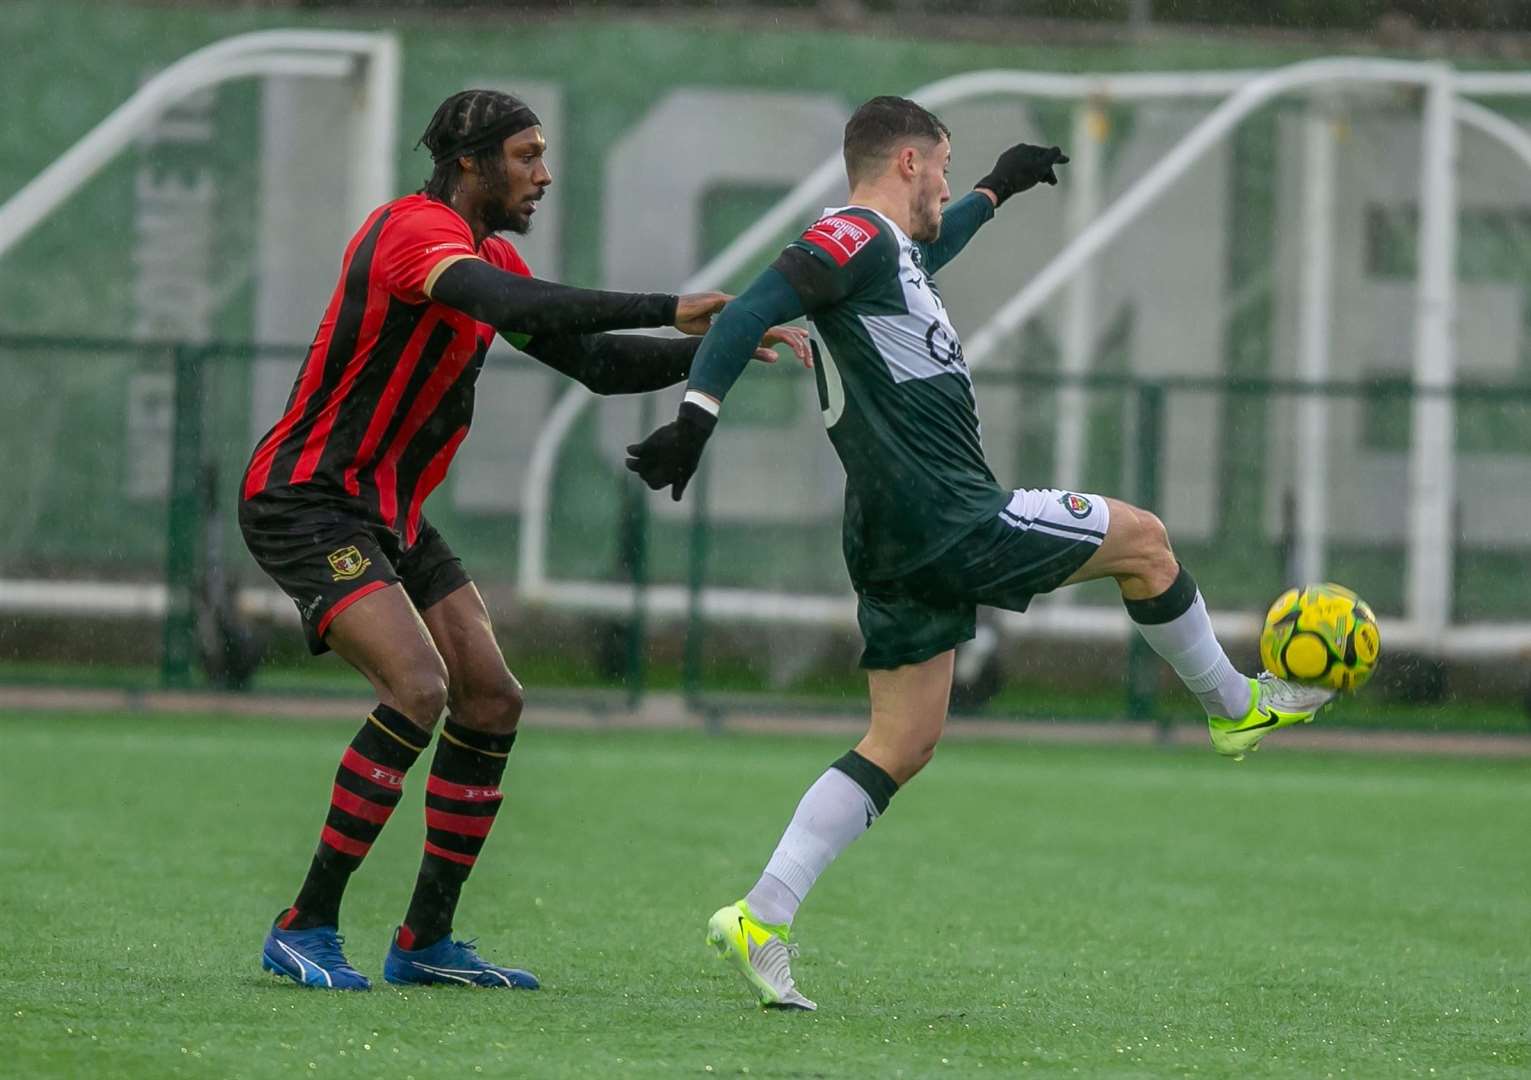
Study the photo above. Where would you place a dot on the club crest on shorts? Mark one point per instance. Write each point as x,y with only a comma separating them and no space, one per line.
348,563
1077,505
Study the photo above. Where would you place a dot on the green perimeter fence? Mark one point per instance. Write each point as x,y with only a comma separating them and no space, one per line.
125,459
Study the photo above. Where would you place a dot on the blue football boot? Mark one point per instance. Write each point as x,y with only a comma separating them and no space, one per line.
311,958
453,963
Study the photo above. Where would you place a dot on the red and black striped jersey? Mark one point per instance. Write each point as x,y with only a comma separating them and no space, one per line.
385,394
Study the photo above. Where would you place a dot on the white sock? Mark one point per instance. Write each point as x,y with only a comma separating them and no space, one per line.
833,812
1187,644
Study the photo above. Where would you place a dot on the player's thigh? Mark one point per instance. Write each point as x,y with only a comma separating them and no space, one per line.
1136,545
382,636
340,573
909,706
482,692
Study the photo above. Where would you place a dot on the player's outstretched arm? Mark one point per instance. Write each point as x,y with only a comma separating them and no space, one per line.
1021,167
959,223
636,363
514,304
669,457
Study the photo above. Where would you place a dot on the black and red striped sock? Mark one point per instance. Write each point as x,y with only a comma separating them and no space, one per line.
461,800
368,785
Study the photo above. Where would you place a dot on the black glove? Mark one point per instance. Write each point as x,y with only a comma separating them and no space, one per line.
670,455
1021,167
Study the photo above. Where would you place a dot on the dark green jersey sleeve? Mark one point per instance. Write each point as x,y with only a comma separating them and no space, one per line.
959,224
738,328
832,259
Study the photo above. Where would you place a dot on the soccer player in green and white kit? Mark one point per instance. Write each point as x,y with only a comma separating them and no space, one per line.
929,534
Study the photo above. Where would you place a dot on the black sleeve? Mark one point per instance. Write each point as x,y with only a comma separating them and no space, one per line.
616,363
515,304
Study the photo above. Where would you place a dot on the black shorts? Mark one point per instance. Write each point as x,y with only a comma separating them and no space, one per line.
326,559
1032,546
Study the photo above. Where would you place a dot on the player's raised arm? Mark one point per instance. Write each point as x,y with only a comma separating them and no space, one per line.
1021,167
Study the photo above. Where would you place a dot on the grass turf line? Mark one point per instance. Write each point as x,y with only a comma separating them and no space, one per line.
1021,910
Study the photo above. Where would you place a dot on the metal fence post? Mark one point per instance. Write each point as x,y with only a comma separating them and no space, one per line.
183,526
1142,664
1433,421
696,580
635,539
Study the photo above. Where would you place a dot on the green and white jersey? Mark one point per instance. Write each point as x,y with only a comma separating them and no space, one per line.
896,393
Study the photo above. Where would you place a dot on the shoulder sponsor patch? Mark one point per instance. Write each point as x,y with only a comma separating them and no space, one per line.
840,237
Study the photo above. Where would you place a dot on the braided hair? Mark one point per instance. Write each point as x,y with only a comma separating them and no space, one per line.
472,123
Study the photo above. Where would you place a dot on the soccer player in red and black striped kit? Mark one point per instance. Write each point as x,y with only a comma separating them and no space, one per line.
332,502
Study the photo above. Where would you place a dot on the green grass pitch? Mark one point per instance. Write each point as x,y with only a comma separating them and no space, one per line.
1021,911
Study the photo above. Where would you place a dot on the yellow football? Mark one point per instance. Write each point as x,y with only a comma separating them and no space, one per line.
1321,635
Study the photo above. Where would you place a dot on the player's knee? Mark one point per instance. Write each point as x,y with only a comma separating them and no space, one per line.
1157,549
495,707
502,706
1156,538
422,696
1149,536
1152,558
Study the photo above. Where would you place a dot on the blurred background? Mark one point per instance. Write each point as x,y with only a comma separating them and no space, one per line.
1281,296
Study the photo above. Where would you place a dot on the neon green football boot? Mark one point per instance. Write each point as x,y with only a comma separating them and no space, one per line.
760,952
1273,704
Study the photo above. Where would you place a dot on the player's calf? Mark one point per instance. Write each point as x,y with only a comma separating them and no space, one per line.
1176,625
367,788
752,934
840,805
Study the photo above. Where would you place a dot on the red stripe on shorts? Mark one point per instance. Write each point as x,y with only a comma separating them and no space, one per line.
346,601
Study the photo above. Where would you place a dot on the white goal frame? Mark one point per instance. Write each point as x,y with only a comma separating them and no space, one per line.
1431,541
369,62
